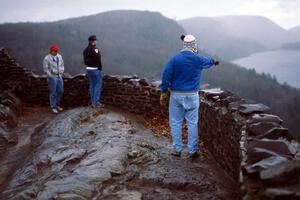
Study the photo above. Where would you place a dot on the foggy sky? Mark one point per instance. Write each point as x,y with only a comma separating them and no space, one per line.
284,12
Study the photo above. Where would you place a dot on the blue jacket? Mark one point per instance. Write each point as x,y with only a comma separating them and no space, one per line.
183,71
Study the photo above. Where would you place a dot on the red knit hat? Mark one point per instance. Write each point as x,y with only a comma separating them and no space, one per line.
54,48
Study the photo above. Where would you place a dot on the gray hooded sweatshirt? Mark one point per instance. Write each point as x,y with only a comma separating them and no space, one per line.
53,65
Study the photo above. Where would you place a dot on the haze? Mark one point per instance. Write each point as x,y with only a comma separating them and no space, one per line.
284,12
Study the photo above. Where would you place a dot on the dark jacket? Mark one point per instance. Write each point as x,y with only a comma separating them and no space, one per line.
92,57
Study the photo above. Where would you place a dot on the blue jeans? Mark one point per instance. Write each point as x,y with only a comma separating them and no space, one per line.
56,90
184,106
95,85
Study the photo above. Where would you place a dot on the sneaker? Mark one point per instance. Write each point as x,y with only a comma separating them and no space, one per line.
59,109
99,105
194,155
176,153
54,110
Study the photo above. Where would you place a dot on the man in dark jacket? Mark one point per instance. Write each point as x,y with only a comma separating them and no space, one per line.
92,60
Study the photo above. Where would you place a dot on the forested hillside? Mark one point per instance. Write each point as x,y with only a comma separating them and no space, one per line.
130,41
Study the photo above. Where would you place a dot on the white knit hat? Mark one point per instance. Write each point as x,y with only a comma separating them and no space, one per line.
189,38
189,43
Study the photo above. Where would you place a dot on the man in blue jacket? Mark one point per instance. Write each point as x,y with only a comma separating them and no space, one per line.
182,77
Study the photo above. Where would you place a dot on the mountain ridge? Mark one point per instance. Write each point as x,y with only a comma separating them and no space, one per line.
294,34
112,29
242,34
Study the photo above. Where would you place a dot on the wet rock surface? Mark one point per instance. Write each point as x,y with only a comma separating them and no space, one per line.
277,175
10,111
281,147
260,128
248,109
264,118
277,133
28,138
257,154
92,154
282,193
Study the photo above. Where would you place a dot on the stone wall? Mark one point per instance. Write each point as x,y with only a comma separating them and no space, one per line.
251,145
244,138
220,130
137,95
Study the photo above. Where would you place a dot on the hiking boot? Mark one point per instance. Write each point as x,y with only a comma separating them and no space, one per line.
194,155
54,110
59,109
176,153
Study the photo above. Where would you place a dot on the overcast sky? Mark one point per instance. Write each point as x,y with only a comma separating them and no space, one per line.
284,12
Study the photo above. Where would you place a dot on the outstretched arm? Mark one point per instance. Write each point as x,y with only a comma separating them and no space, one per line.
207,62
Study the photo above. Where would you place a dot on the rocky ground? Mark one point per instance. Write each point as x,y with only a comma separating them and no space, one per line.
104,154
26,138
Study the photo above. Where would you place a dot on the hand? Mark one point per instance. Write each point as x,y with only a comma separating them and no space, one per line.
216,62
163,98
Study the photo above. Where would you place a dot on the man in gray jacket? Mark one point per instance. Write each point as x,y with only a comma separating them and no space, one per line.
53,66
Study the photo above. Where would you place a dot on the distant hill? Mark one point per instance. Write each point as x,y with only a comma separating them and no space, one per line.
215,39
232,37
294,34
284,64
130,41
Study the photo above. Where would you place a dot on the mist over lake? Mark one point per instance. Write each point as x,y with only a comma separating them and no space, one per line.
283,64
